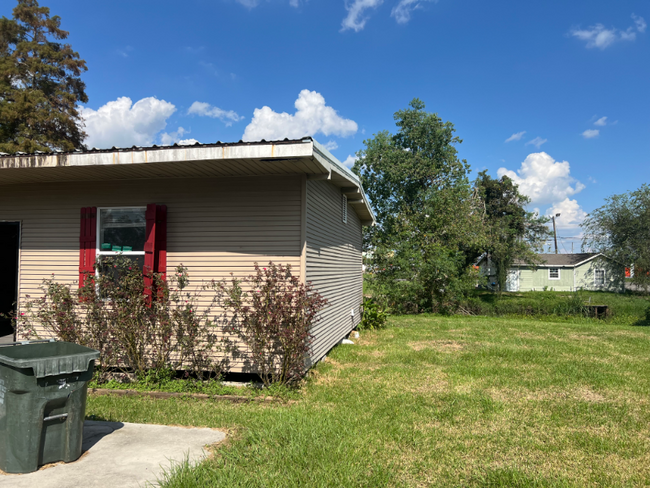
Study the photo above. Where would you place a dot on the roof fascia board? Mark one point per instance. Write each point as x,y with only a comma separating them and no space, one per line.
325,158
160,155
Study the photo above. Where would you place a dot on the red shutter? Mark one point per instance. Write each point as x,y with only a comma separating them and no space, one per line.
155,245
87,243
161,240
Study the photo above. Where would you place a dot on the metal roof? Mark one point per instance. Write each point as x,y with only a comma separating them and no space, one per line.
561,260
219,159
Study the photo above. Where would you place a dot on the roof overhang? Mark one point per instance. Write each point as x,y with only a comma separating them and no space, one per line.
288,157
567,265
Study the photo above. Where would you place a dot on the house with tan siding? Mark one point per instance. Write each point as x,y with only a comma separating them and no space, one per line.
215,208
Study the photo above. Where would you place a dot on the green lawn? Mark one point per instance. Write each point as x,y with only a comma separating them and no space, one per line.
437,401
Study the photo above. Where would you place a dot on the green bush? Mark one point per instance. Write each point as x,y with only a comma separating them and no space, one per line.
374,315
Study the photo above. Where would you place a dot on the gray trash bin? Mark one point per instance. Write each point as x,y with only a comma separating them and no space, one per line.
43,389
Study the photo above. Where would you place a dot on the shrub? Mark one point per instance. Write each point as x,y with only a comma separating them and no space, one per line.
272,314
114,314
374,315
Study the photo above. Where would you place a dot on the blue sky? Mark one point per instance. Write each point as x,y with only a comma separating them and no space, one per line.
569,80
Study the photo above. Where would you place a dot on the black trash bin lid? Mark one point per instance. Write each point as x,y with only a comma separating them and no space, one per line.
50,358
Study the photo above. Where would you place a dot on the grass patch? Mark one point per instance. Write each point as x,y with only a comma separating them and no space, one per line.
438,401
623,308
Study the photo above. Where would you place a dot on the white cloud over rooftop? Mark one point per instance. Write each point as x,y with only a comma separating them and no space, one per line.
312,117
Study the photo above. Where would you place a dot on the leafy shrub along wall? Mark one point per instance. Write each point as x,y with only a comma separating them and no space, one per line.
113,313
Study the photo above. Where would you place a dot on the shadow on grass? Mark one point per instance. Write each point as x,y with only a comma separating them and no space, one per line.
641,323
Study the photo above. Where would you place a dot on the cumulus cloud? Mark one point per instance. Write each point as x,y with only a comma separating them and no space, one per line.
203,109
571,214
170,138
403,10
601,122
601,37
350,160
356,20
516,136
590,133
123,123
543,179
537,142
331,145
312,117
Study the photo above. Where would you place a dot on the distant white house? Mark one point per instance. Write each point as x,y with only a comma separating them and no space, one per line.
561,272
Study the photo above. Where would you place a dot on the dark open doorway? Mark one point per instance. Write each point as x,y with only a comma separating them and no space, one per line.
9,243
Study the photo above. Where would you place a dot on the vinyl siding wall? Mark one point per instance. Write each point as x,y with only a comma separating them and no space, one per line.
581,277
333,264
215,226
614,275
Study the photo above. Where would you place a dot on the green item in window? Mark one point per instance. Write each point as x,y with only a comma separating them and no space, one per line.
127,248
106,246
116,248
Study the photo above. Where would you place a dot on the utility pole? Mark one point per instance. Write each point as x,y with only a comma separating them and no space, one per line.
554,231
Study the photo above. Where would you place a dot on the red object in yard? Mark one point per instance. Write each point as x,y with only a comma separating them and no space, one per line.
628,273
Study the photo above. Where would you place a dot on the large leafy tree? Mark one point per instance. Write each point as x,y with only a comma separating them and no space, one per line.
429,226
621,229
512,232
40,84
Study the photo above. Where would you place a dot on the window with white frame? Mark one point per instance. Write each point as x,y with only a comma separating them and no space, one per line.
121,232
599,277
553,273
344,208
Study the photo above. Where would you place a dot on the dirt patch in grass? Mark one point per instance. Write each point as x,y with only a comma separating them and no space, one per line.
583,337
582,394
441,346
432,384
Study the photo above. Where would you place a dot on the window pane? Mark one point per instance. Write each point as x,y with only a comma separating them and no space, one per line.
122,230
114,266
554,273
600,276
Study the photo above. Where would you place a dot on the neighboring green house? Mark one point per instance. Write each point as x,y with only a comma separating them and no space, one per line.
561,272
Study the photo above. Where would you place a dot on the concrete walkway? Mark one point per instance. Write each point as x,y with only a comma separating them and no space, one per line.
121,455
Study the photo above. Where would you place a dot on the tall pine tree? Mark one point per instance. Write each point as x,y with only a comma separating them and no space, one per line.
40,84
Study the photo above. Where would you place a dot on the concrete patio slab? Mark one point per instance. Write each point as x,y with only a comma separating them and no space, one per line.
6,339
122,454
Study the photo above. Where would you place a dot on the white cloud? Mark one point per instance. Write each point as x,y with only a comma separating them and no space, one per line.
350,160
123,123
571,214
331,145
516,137
312,117
543,179
601,37
590,133
639,22
203,109
537,142
170,138
402,11
601,122
355,19
251,4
